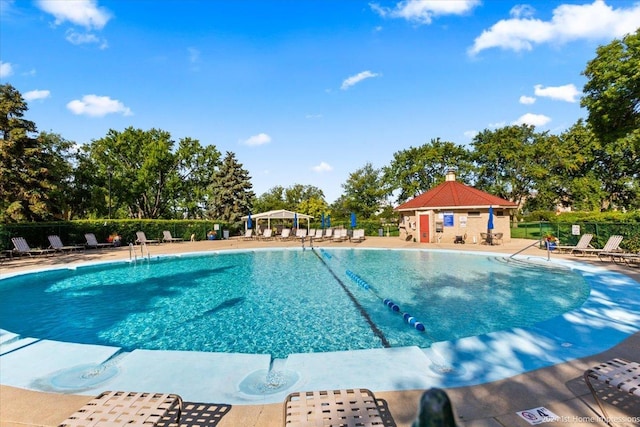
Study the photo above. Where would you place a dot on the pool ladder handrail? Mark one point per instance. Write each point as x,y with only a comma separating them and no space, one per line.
132,253
537,242
143,246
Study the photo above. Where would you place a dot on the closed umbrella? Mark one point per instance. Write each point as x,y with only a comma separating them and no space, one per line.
322,221
249,222
295,220
490,225
328,221
353,220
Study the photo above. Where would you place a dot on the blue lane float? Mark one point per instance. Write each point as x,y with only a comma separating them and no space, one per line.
408,318
326,254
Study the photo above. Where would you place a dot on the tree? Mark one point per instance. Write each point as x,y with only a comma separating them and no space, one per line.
416,169
272,200
508,161
147,178
33,169
612,97
231,191
364,192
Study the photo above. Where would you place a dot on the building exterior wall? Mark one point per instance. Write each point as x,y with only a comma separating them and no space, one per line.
447,224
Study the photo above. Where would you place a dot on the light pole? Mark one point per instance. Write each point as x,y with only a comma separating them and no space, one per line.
110,172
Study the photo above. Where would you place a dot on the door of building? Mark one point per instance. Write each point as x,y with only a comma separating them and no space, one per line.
424,229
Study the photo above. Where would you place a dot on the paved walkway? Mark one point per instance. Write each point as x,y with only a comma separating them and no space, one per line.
559,388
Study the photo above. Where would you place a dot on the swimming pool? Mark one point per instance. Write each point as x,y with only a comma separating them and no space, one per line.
281,302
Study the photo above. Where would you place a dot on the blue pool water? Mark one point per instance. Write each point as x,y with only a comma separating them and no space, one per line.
287,301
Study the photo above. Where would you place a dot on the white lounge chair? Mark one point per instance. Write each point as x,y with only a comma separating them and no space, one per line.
612,245
168,238
619,373
301,233
124,408
56,244
142,238
340,235
267,234
248,235
358,235
328,234
92,242
319,235
286,234
583,243
21,247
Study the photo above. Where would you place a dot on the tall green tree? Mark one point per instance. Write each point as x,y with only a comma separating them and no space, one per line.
147,178
612,97
271,200
508,161
231,191
364,191
33,168
417,169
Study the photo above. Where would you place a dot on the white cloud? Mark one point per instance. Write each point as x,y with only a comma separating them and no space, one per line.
595,21
322,167
85,13
33,95
259,139
423,11
6,69
522,11
532,119
194,55
98,106
77,38
527,100
470,134
567,93
496,125
350,81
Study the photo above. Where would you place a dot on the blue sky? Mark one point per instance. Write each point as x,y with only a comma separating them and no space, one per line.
304,92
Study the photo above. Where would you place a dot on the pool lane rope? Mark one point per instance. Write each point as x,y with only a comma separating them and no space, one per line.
408,318
374,328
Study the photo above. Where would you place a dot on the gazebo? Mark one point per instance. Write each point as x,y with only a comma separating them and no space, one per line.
281,214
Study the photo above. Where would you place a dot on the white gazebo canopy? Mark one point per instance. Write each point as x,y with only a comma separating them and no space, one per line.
277,214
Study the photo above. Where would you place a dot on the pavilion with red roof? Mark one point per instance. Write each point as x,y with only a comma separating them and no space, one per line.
451,211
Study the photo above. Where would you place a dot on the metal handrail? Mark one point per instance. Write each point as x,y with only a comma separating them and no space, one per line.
537,242
132,253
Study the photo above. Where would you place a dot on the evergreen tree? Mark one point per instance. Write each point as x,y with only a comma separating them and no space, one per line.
231,191
32,168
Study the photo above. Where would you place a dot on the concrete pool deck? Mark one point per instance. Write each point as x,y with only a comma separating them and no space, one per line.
559,387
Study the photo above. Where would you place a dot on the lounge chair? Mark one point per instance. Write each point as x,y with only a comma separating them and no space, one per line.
142,238
267,234
248,235
167,237
92,242
358,235
21,247
301,233
122,408
348,407
583,243
619,373
319,235
286,234
612,245
340,235
328,234
56,244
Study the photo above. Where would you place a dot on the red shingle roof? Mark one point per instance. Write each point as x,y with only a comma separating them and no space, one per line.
452,194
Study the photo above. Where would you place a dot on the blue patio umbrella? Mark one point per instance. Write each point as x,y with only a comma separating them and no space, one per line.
328,221
490,222
249,222
295,220
353,220
322,220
